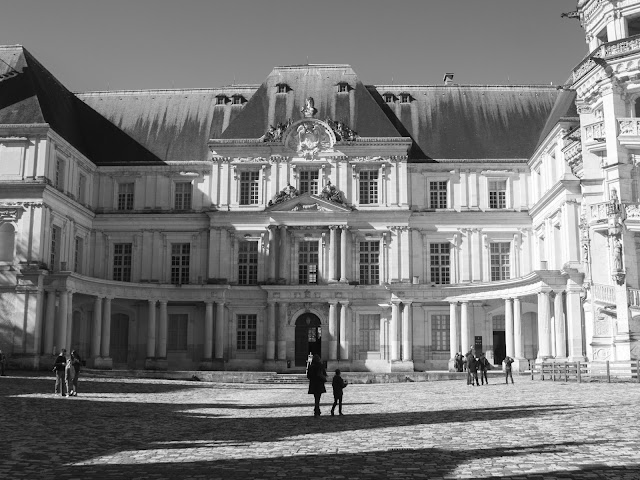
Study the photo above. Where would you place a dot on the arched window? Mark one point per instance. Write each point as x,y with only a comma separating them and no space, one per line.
7,242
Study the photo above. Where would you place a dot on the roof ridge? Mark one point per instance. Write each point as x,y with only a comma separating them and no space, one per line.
469,85
159,91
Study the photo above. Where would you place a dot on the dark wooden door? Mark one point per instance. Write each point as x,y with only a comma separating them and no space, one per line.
499,347
119,345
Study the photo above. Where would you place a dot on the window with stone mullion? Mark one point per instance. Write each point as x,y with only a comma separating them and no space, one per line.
249,188
248,263
369,263
440,261
438,194
180,259
500,252
440,332
246,332
497,194
309,180
122,262
308,262
368,187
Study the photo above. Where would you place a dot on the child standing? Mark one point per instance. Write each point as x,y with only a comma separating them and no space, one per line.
338,385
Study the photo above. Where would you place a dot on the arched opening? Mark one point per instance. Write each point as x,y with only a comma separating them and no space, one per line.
308,337
7,242
119,345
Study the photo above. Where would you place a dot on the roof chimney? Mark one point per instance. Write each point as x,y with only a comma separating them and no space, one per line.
448,78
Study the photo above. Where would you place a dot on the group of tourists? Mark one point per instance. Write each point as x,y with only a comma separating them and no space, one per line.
472,365
67,370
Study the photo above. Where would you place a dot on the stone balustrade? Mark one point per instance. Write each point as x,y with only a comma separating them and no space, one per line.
603,293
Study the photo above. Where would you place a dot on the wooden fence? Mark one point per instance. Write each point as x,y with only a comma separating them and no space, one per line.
579,371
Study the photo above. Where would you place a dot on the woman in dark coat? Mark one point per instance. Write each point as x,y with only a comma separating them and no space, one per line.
317,376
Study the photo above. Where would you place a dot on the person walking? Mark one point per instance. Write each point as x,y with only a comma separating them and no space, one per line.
58,368
69,372
3,362
507,369
76,361
317,376
483,363
338,384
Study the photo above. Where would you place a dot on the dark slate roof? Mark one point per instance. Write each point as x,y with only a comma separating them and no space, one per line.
471,121
174,124
31,94
563,110
356,107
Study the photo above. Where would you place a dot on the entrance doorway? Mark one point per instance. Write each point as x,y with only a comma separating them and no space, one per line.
308,338
119,345
499,347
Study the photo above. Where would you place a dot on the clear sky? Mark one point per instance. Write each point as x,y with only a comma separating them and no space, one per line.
144,44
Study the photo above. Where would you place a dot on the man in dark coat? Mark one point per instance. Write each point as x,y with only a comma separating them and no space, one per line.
507,369
317,376
58,368
472,369
483,364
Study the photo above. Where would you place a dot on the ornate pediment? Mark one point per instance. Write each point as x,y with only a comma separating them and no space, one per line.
307,203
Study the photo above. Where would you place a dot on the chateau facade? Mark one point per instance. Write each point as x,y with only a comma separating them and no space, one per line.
384,227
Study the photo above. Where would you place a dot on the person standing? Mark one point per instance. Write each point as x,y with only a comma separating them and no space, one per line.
507,369
3,362
69,372
338,384
317,376
58,368
483,363
472,369
75,362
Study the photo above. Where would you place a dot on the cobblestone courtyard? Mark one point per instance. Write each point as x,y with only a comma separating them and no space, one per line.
119,428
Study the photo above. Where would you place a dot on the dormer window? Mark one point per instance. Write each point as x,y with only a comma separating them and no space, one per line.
282,88
237,99
405,98
389,98
343,87
221,99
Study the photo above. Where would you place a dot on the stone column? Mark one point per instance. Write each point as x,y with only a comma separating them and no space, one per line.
464,327
271,331
50,323
273,252
151,330
407,332
561,335
37,334
345,326
333,342
96,339
219,331
282,325
508,326
344,274
69,322
453,333
106,329
208,331
332,253
393,332
518,347
574,326
162,330
544,327
285,255
61,333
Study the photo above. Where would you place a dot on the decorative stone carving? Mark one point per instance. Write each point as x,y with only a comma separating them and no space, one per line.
275,134
311,138
287,193
308,110
341,131
602,327
331,193
602,354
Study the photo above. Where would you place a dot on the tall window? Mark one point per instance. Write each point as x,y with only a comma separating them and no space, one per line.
183,196
125,196
308,262
247,332
77,255
82,187
439,262
438,194
180,257
177,329
248,263
497,194
500,260
309,181
498,322
368,187
59,175
370,263
122,262
7,242
369,333
249,183
440,332
54,259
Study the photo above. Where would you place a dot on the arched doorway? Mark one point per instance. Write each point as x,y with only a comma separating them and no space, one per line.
308,337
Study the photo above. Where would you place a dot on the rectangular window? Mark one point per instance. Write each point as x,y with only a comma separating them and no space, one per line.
309,181
249,183
58,181
440,332
369,263
498,322
183,196
248,263
439,262
82,187
247,332
77,255
370,333
308,262
500,261
497,194
180,257
125,196
55,248
122,262
438,194
177,329
368,187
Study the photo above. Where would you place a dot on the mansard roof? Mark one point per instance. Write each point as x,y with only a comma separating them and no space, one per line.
30,94
564,110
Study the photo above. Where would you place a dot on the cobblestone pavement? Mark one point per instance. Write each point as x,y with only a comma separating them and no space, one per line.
120,428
